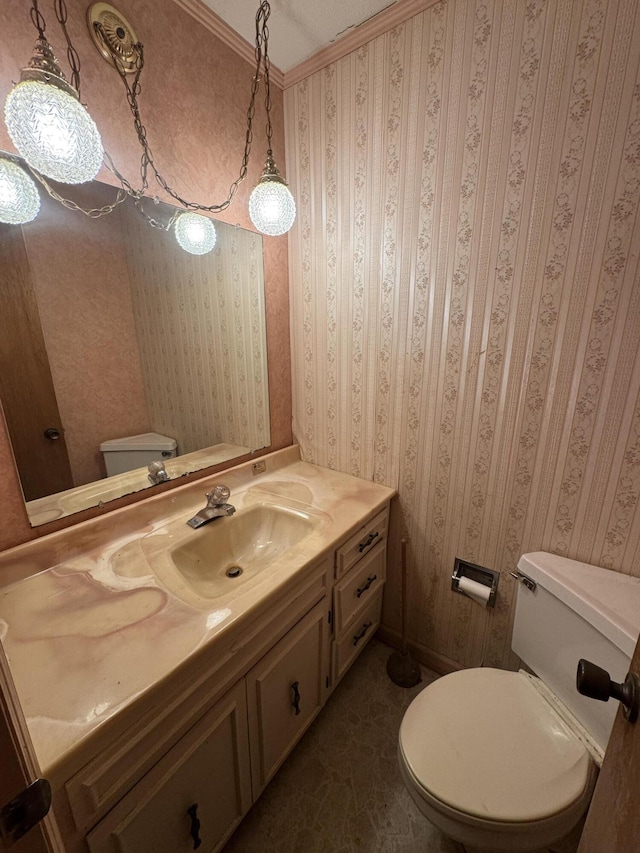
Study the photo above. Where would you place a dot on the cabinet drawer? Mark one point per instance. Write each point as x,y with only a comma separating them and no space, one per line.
365,540
207,768
285,691
356,589
347,649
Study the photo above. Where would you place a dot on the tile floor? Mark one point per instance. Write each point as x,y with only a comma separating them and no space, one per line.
340,791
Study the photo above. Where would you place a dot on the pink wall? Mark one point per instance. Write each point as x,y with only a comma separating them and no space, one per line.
195,92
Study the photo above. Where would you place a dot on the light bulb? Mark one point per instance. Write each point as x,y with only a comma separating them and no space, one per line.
196,234
19,199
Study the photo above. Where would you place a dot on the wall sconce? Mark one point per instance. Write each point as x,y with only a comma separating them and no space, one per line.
58,138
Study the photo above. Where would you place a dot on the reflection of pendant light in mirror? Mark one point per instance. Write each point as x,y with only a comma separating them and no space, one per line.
19,199
196,234
271,205
48,124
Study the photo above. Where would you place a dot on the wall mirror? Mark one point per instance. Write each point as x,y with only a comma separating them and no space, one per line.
110,329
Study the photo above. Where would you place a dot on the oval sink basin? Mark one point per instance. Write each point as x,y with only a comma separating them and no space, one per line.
227,552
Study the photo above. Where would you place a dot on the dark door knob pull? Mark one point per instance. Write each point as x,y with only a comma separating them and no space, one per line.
194,830
296,696
52,434
593,681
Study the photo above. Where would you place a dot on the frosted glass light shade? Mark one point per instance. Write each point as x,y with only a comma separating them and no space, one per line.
19,199
196,234
271,207
53,132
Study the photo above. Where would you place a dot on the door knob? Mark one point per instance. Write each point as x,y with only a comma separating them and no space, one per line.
593,681
52,433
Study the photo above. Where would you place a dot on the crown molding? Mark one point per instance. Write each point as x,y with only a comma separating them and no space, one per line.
208,18
393,15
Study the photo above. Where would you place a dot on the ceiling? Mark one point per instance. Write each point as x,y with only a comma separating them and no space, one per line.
297,28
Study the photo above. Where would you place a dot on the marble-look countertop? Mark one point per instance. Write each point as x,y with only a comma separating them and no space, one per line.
88,626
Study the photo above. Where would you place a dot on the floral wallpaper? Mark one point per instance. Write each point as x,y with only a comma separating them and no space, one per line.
465,292
200,323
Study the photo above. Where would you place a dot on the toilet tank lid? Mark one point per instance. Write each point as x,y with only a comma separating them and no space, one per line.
608,600
145,441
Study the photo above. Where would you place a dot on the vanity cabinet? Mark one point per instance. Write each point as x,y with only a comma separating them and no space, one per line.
204,785
193,761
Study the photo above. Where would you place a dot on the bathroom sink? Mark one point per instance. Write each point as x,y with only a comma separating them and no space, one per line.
227,552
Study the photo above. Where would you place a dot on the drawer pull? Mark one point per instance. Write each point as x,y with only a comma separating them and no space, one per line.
368,541
358,637
194,831
366,586
296,697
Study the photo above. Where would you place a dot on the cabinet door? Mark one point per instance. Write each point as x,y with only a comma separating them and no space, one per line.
285,691
199,790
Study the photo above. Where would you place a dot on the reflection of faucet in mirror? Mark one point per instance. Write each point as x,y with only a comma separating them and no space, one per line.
157,473
217,507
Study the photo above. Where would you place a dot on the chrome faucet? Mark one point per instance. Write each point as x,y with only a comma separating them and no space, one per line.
217,507
157,473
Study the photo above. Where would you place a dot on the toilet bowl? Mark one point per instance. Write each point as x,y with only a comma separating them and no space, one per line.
492,764
507,761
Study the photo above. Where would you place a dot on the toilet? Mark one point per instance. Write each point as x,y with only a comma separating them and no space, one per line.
507,761
136,451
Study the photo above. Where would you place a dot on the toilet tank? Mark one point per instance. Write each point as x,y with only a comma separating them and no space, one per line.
136,451
576,611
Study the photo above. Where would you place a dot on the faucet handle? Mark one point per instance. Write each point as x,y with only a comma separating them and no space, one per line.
219,495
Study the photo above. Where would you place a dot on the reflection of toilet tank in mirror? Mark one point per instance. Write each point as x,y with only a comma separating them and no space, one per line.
136,451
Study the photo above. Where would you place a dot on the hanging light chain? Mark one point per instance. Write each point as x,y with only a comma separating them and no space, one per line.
92,213
263,13
37,19
72,54
133,90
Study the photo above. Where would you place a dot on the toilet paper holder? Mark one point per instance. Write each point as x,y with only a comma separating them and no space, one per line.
487,577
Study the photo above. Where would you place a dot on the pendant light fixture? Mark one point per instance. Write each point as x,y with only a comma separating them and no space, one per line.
59,140
46,121
19,199
271,205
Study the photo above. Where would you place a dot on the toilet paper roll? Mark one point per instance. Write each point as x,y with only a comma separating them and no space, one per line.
477,591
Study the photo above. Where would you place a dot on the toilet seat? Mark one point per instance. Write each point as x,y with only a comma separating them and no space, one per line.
488,747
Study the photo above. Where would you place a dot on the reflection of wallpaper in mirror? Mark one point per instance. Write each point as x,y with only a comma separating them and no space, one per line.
201,335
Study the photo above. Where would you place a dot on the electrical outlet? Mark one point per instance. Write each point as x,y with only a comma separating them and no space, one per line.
258,468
